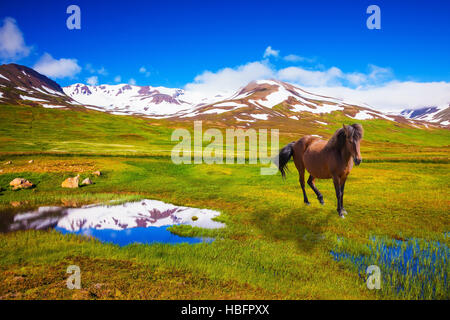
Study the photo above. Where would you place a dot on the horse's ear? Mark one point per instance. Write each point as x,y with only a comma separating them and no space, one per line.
345,128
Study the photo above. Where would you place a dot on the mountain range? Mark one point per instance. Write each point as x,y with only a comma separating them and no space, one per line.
439,115
257,101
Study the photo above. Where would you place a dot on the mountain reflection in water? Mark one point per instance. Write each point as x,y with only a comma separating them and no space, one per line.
144,221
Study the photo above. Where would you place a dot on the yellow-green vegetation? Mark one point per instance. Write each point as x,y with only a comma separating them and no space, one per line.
273,246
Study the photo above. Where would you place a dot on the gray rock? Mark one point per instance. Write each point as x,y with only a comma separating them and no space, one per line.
86,181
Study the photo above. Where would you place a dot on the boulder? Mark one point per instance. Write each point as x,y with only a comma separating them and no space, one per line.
71,182
86,181
97,173
21,183
8,162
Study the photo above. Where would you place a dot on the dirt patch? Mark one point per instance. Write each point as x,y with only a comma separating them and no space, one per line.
43,166
118,279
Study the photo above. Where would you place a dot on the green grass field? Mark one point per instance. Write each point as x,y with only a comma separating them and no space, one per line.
273,246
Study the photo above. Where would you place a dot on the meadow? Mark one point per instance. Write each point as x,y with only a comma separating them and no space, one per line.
273,246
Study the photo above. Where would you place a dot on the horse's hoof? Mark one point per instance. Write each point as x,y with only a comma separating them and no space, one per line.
344,211
307,203
320,198
341,216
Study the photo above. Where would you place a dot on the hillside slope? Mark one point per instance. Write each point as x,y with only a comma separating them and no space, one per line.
24,86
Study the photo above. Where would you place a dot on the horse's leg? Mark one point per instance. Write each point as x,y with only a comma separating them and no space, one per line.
316,191
337,188
342,194
298,161
301,172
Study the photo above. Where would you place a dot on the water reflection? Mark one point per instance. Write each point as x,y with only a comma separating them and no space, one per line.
136,235
144,221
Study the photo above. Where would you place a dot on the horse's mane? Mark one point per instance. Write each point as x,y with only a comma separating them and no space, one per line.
355,132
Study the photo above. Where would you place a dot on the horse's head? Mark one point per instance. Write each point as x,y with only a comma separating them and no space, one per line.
353,137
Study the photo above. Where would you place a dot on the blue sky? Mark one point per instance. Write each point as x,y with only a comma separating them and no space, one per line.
176,41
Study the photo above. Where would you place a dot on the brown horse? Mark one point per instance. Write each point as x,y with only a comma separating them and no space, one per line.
330,159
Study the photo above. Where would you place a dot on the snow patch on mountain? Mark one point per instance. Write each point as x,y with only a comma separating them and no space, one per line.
363,115
260,116
51,106
32,99
230,104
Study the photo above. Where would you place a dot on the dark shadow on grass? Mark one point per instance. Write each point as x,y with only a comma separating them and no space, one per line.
34,186
86,185
305,225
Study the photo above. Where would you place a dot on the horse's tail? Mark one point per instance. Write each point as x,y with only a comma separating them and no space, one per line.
283,158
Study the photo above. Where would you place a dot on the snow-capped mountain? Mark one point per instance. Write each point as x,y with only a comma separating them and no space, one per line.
440,115
260,100
130,99
266,99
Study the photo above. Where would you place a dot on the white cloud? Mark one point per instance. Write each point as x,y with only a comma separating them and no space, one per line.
102,71
310,78
93,81
117,78
229,79
53,68
334,76
89,68
12,43
132,82
376,87
294,58
394,95
270,52
144,71
379,73
355,78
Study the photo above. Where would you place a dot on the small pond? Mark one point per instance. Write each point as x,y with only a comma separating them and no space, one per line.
144,221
